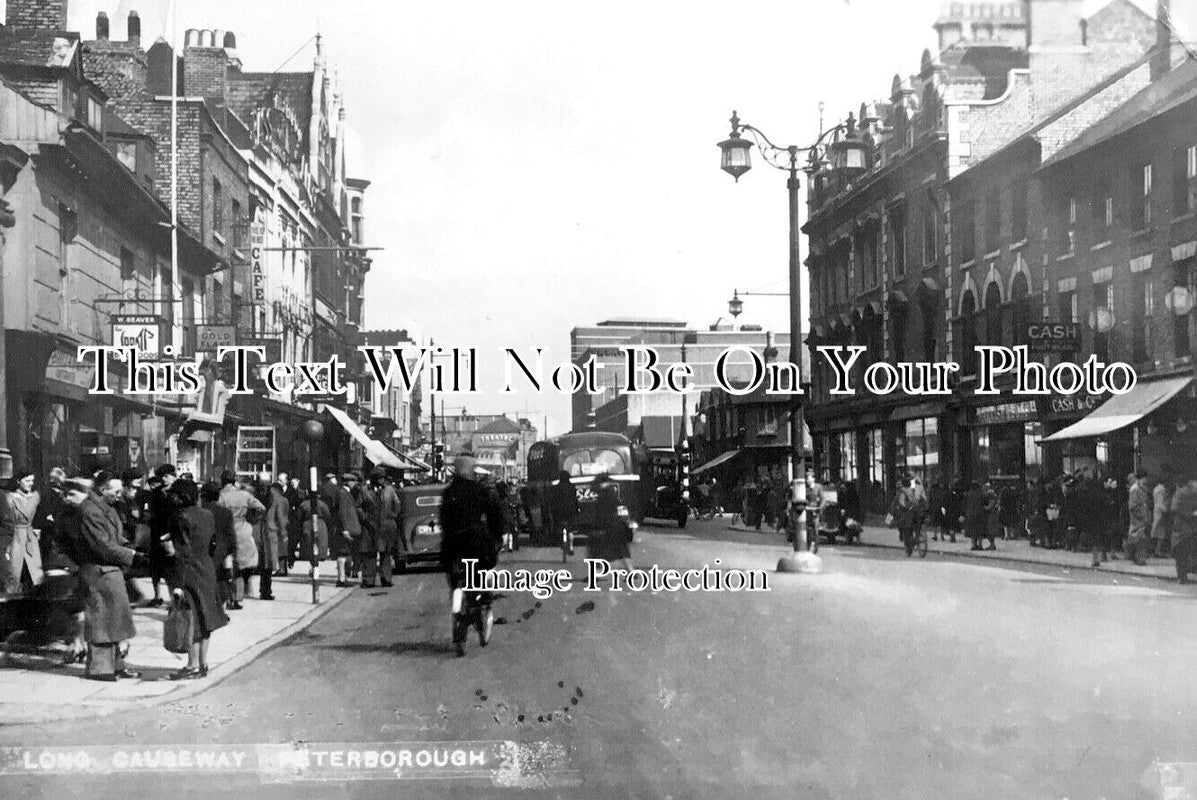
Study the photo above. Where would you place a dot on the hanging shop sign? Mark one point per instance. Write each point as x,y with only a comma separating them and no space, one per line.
257,241
1051,337
141,331
210,338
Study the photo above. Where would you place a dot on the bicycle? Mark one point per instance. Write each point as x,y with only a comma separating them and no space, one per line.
471,609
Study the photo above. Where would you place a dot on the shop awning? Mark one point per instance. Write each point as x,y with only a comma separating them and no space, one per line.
376,451
1122,410
714,462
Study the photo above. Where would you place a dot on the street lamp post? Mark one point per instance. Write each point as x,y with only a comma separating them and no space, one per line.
735,161
313,432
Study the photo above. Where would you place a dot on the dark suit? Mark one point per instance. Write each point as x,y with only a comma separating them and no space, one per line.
464,507
97,540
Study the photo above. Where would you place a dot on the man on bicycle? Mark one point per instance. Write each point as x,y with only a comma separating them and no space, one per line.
907,511
472,528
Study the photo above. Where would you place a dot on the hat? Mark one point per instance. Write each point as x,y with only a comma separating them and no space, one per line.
378,472
349,476
164,469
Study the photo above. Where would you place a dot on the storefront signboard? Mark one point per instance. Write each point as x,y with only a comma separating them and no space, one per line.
257,240
1007,412
1073,405
65,368
1052,337
210,338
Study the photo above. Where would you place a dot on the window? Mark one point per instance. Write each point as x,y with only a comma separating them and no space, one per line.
1020,306
357,220
993,221
897,237
876,447
993,313
217,208
1018,210
1103,297
1141,199
1068,230
930,246
966,231
930,312
866,249
1184,185
1180,337
128,264
126,153
922,449
847,442
95,115
1142,306
239,225
897,332
1103,211
1066,304
968,333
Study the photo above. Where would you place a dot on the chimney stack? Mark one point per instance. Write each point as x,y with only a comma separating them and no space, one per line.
102,26
38,15
134,34
1169,49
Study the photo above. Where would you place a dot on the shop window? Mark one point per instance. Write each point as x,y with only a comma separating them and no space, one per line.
1142,308
847,448
922,449
876,467
1184,182
998,451
1032,452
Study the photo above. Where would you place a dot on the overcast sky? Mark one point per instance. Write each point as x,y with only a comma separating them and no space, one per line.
542,165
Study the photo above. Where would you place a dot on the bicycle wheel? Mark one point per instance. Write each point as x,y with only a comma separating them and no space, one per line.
485,624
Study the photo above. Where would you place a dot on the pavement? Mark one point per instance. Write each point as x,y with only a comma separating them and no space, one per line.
35,687
1008,551
883,677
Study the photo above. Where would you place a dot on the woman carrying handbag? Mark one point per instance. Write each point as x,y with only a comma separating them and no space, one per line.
196,600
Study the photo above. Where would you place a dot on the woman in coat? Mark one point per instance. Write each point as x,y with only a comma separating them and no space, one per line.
312,549
973,514
993,522
243,506
224,545
194,576
20,542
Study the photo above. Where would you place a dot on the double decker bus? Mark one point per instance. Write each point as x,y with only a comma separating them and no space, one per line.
584,456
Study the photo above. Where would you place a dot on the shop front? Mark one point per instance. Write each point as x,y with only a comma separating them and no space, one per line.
1005,442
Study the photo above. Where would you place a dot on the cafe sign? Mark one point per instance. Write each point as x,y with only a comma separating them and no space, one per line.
257,241
140,331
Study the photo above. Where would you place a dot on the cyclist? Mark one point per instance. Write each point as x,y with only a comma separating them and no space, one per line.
472,525
564,509
907,511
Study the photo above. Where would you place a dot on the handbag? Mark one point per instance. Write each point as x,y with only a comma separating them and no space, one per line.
176,632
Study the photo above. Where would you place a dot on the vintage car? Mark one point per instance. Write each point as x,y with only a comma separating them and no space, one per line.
419,525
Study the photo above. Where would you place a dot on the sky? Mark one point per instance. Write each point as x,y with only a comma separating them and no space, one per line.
538,165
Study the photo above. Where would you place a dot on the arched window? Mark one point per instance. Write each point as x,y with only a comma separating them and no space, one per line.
1020,305
993,313
929,308
968,333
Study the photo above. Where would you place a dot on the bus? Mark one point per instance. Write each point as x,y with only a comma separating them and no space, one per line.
584,456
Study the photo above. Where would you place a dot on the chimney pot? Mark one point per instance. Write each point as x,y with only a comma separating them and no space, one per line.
134,34
230,41
102,26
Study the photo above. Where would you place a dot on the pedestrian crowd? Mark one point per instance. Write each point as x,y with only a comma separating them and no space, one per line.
76,543
1145,515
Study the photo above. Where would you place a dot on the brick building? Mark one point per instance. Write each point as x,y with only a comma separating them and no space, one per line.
910,256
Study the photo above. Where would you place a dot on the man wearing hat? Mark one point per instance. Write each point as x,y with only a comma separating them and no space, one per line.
381,534
162,511
344,542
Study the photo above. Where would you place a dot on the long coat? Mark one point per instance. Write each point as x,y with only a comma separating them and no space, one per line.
388,512
303,522
239,502
96,538
275,528
1139,507
349,522
224,540
193,536
20,542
